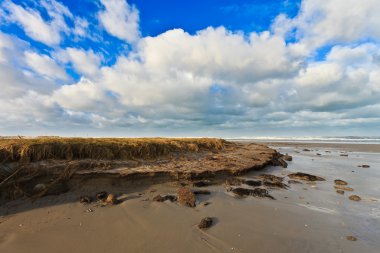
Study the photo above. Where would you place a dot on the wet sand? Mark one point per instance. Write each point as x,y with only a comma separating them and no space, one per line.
307,217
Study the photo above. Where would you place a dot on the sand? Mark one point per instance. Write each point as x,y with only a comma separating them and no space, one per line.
307,217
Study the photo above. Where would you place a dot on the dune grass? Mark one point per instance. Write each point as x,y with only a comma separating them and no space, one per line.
38,149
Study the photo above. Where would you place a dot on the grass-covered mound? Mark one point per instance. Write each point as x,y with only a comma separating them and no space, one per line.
38,149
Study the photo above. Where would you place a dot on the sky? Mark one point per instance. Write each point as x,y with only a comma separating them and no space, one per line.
190,68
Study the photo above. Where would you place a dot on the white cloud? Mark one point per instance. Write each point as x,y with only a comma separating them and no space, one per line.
120,19
85,62
48,32
332,21
45,66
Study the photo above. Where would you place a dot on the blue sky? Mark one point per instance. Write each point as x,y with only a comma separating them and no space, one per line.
198,68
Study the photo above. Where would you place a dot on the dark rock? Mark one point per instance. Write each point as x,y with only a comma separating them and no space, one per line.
271,178
305,177
257,192
306,149
278,161
287,157
252,182
318,154
205,223
364,166
203,192
160,198
344,188
101,196
294,182
340,182
85,199
275,184
340,192
202,183
355,198
186,197
351,238
346,155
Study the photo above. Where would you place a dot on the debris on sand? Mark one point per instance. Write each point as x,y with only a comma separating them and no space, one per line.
85,199
101,196
202,183
251,182
340,182
278,161
202,192
305,177
233,181
271,178
186,197
340,192
318,154
111,199
257,192
306,149
364,166
206,203
275,184
346,155
294,182
160,198
287,157
205,223
355,198
344,188
351,238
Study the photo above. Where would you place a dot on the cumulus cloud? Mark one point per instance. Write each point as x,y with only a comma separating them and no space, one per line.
84,62
332,21
45,66
120,19
35,26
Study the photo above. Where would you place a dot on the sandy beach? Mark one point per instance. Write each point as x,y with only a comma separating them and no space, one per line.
303,217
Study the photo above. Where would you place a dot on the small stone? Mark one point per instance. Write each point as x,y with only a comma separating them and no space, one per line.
39,188
346,155
340,192
206,203
364,166
351,238
344,188
186,197
205,223
85,200
101,196
355,198
306,149
340,182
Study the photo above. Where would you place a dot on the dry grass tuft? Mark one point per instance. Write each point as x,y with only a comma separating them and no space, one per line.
38,149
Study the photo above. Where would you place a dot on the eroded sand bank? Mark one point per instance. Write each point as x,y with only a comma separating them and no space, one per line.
306,217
